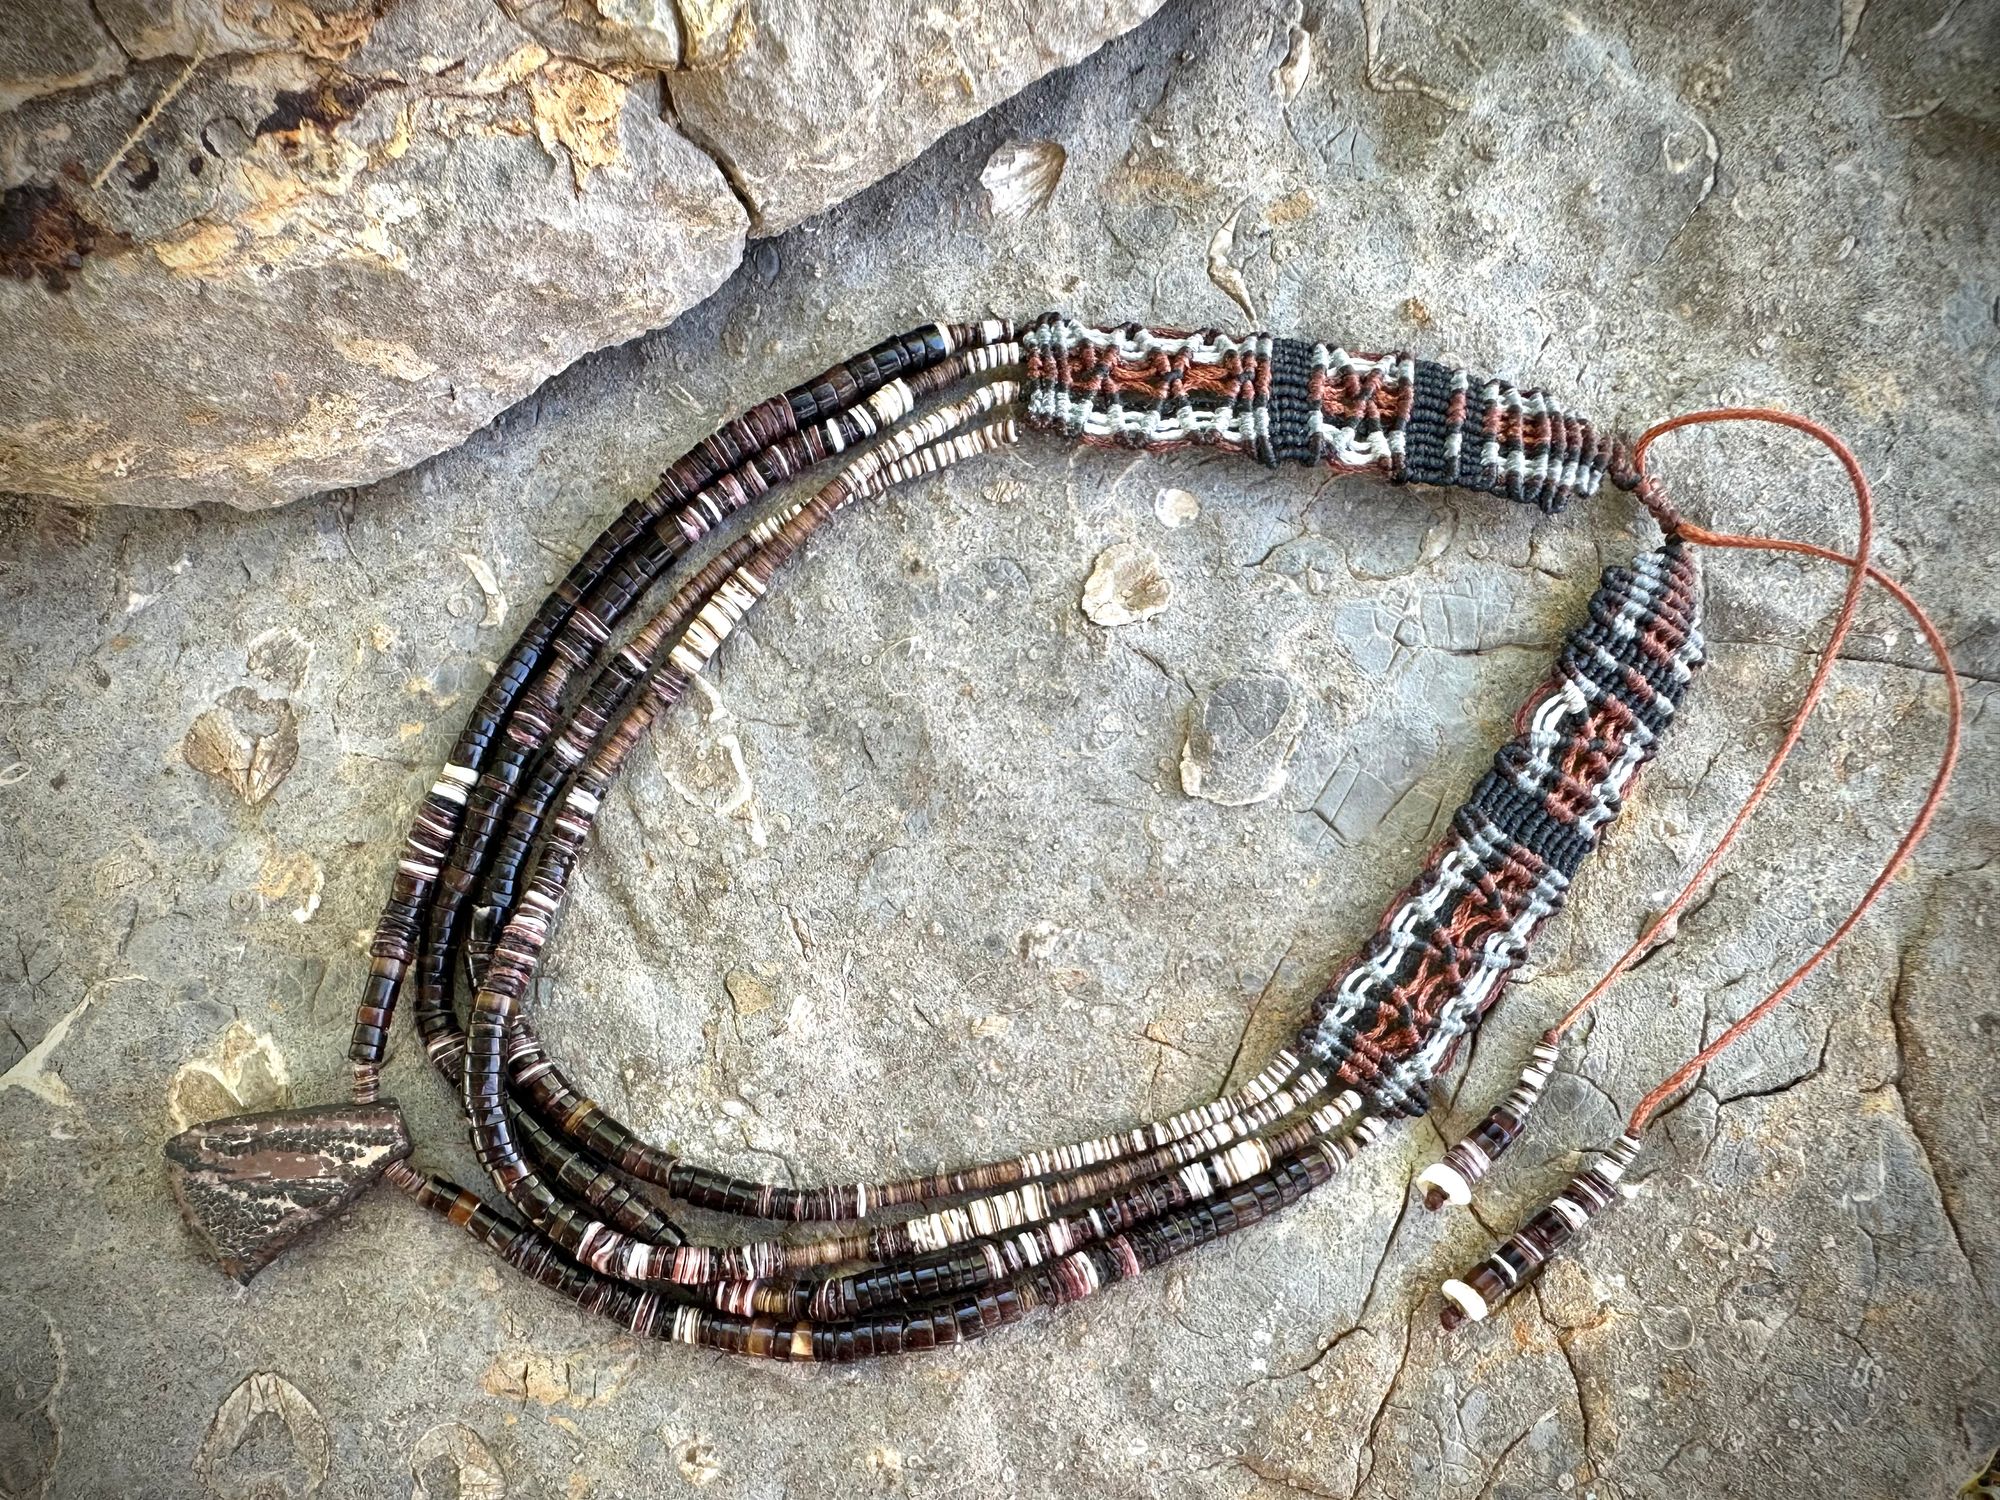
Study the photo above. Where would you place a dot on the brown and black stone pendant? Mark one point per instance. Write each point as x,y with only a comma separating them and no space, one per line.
250,1185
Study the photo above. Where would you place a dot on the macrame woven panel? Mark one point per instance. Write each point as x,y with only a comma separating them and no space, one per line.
1415,421
1445,947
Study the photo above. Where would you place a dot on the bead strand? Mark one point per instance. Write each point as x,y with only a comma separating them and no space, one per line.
1514,1263
725,472
941,1316
401,927
528,930
1451,1179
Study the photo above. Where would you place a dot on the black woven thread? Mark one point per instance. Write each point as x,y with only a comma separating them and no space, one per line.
1291,406
1427,458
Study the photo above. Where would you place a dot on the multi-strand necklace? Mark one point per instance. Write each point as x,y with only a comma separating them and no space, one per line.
581,1202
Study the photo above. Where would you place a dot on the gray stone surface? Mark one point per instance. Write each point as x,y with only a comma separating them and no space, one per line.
920,880
253,252
1239,738
816,98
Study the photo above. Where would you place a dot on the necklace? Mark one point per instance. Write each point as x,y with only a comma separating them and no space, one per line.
945,1257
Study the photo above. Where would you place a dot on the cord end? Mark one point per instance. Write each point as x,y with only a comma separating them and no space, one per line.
1461,1305
1519,1259
1443,1183
1451,1179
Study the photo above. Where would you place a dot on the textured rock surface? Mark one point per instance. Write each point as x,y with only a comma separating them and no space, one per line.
921,879
256,252
1126,586
860,88
1239,737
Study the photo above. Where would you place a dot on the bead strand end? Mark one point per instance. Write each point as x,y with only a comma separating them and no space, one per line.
1520,1258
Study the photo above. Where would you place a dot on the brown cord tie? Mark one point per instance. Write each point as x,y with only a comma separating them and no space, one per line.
1519,1258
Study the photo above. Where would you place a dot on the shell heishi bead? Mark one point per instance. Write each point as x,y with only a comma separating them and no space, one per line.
892,403
768,528
1618,1158
740,590
436,830
1199,1144
1243,1161
1446,1180
1272,1078
983,1216
1465,1299
724,609
1079,1275
693,653
714,621
1573,1214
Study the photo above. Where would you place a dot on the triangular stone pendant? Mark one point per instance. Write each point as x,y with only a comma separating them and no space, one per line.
249,1185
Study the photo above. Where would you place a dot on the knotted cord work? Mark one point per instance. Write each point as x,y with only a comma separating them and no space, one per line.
1279,400
1391,1020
